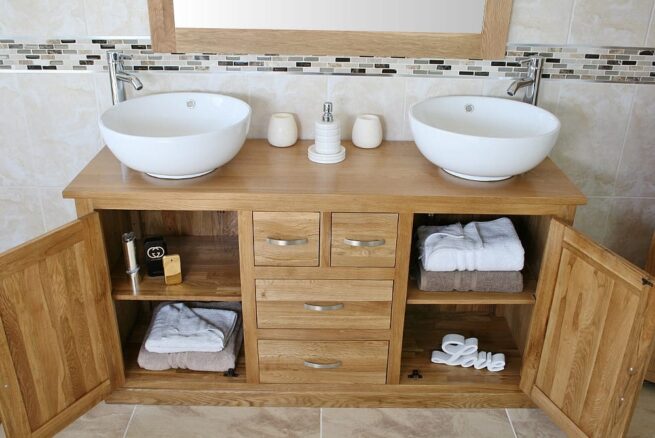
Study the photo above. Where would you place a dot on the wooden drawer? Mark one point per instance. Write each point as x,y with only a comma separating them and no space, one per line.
324,304
286,239
323,361
364,240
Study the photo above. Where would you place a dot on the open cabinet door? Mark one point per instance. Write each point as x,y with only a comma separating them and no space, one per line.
59,346
650,268
590,337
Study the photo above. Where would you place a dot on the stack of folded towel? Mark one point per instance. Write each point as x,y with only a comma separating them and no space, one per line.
198,336
481,256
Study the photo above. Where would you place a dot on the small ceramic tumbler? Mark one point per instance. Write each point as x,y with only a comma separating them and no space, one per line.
367,131
282,130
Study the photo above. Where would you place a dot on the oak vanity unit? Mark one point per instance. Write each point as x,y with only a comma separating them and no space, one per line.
321,258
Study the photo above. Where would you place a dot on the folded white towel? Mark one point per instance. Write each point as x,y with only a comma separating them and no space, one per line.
178,328
482,246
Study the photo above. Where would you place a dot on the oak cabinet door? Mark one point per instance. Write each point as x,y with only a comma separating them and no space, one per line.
650,267
59,347
590,337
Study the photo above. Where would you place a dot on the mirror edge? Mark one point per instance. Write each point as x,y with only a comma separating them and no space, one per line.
490,44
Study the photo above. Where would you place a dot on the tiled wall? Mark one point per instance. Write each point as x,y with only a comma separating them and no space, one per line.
48,119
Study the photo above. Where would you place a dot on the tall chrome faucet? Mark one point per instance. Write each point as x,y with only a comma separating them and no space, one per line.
118,76
531,82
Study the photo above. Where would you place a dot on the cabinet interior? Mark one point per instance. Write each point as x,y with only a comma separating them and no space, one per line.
207,244
499,320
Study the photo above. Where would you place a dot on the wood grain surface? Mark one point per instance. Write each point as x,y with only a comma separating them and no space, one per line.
392,178
58,338
586,364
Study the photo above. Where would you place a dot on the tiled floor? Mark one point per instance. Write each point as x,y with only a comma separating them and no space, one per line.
124,421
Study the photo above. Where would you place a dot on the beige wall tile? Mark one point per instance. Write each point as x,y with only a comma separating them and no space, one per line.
103,92
231,84
103,421
42,18
117,17
592,218
594,120
63,122
533,423
636,175
630,226
20,217
57,211
416,423
186,421
650,38
16,164
643,420
613,23
383,96
302,95
542,22
548,94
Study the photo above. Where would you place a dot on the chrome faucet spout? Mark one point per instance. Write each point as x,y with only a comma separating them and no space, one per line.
132,79
518,85
118,76
530,83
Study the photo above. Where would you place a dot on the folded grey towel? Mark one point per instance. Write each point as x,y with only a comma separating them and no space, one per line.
478,281
198,361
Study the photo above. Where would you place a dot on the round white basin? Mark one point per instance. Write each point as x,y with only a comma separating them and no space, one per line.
176,135
483,138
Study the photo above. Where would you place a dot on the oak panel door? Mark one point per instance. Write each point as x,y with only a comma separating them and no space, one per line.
590,338
59,347
650,268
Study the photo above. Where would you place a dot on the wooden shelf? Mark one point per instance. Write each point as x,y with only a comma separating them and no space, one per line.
210,272
417,296
424,329
137,377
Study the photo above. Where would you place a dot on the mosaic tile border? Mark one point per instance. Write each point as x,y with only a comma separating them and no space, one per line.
599,64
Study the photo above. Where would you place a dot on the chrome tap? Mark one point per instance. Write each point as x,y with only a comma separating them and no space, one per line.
531,82
118,76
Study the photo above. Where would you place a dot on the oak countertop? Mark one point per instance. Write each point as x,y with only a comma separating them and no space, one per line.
394,177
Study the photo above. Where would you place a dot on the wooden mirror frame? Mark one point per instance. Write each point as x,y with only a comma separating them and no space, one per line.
490,44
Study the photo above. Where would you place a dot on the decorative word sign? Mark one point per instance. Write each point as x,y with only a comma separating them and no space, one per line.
460,351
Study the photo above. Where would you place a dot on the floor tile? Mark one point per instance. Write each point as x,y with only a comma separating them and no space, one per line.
533,423
643,421
415,423
206,421
103,421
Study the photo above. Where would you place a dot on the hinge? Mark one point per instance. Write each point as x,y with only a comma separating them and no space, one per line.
646,282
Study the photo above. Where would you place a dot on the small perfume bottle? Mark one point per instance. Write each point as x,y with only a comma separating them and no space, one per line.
327,148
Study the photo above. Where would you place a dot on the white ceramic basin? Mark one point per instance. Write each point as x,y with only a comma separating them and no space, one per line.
176,135
483,138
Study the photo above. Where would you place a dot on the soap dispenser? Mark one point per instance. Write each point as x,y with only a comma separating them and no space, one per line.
327,148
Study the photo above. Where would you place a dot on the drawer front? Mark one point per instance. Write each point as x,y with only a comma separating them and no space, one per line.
323,361
286,239
366,240
324,304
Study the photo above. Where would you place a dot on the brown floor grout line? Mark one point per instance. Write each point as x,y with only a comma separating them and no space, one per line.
510,423
129,421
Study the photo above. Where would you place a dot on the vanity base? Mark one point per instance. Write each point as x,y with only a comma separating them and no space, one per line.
343,396
476,178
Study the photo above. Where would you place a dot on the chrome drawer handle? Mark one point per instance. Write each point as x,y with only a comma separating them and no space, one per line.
319,308
364,243
286,242
323,366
